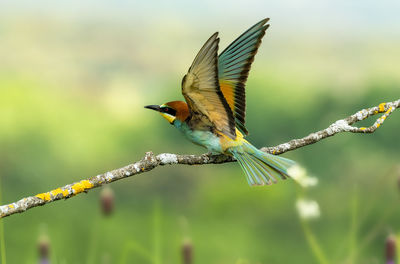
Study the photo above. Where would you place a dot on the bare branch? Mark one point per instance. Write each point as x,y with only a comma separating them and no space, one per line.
151,161
342,125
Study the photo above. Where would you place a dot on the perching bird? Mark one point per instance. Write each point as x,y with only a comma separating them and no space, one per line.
214,113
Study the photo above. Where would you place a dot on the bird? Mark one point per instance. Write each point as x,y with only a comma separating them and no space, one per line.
213,115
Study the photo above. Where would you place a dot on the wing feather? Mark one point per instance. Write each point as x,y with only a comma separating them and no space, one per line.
200,87
233,68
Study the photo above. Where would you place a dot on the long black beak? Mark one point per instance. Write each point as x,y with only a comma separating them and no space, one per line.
153,107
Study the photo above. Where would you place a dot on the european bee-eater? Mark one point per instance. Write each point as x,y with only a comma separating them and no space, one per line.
214,113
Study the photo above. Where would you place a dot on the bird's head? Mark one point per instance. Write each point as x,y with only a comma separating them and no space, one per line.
171,111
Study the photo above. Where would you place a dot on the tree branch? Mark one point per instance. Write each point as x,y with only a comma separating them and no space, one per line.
150,161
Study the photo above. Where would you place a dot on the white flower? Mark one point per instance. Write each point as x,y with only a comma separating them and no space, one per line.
299,174
308,209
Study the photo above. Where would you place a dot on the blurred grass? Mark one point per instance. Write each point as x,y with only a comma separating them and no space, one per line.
71,104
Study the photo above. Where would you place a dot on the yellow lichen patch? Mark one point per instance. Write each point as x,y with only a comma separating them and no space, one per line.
86,184
378,125
389,110
57,191
77,188
382,107
375,112
65,193
44,196
81,186
363,128
11,206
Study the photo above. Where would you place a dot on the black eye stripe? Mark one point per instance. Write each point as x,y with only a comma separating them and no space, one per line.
168,110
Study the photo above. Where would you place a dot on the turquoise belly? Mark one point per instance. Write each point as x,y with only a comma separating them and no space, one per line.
202,138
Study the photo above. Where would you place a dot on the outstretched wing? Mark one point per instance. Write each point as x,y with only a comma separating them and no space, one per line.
201,89
233,68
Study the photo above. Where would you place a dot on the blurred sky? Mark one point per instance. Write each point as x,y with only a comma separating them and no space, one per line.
326,17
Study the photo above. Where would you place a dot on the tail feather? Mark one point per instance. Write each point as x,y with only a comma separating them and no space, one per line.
261,168
244,165
263,173
249,168
268,173
258,171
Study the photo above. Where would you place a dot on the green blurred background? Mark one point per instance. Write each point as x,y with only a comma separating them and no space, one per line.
74,78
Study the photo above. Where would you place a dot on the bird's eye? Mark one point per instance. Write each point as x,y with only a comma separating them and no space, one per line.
168,110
